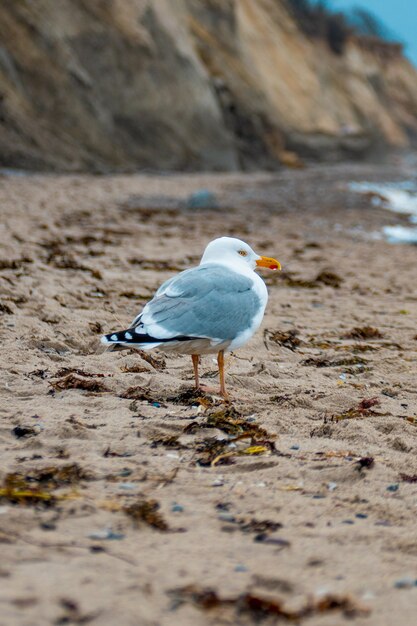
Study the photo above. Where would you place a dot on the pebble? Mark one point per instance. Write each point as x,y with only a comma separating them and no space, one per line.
107,533
348,521
295,447
405,583
127,485
177,508
217,483
361,515
331,486
202,199
394,487
125,472
226,517
241,568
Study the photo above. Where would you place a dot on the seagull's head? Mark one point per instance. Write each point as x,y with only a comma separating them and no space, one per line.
236,253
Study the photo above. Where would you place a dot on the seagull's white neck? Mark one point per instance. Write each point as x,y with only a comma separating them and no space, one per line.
232,262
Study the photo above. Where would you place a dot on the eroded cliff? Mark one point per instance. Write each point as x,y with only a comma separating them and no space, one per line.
190,84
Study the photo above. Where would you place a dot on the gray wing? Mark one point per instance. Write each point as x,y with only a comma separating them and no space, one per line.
208,301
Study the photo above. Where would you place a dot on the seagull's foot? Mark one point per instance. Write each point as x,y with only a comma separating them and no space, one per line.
216,392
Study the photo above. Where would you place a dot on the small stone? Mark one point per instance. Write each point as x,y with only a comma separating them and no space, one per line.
295,447
177,508
107,533
241,568
226,517
127,485
217,483
202,199
361,515
331,486
405,583
394,487
348,521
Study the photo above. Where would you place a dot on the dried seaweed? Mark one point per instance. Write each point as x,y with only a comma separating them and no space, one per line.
191,397
334,362
14,264
170,441
72,381
146,511
157,363
5,309
363,409
409,478
19,490
365,462
137,393
64,371
258,608
364,332
57,476
24,431
96,328
288,339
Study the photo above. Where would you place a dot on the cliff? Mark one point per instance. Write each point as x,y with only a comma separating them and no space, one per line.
105,85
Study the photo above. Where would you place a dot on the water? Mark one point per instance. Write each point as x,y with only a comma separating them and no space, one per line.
398,198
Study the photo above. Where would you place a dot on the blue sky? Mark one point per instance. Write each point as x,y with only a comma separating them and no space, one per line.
400,16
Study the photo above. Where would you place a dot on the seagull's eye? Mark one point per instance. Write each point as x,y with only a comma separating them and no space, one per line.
243,253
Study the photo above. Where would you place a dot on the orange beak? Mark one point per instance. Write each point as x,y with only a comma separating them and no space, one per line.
271,264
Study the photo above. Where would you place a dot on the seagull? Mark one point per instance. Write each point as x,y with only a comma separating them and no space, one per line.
215,307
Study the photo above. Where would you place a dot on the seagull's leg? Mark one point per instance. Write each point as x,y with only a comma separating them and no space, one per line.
220,361
196,360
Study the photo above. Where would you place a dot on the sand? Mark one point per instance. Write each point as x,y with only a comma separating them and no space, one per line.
324,510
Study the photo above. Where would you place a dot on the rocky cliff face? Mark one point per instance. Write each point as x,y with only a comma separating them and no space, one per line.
189,84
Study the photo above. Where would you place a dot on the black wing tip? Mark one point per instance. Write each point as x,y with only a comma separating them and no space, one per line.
129,336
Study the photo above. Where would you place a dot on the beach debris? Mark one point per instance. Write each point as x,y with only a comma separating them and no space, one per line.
363,409
95,327
288,339
365,462
72,613
77,379
36,485
5,309
168,441
363,332
258,608
408,478
193,397
158,363
137,393
146,511
202,199
18,490
335,362
106,534
21,432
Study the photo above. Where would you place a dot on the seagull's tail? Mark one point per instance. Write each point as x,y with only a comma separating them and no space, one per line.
129,339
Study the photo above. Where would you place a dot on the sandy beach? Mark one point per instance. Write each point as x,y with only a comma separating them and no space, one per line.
127,499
